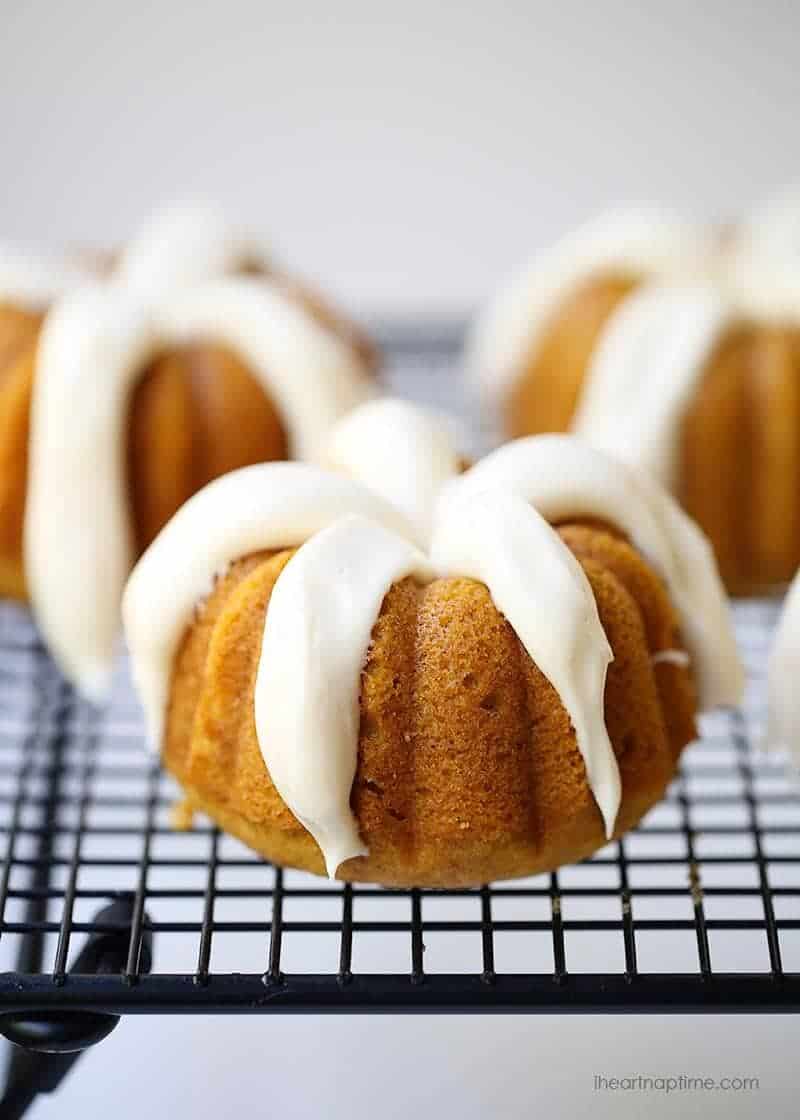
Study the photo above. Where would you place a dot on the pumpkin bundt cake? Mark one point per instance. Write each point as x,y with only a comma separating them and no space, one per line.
494,705
119,404
674,375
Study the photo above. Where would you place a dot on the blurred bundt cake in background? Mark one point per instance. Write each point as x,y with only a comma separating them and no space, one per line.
529,348
128,395
636,334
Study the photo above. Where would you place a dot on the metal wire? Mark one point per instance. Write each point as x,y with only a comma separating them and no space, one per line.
697,909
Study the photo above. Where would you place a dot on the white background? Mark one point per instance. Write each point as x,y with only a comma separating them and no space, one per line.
406,156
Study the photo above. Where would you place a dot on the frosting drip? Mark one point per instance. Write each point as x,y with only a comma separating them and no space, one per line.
644,371
78,549
400,450
186,244
309,679
646,241
783,675
94,345
502,541
677,657
564,478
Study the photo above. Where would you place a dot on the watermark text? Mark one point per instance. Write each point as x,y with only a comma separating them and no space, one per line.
674,1083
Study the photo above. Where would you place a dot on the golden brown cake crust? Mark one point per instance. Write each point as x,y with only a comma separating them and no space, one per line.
739,454
196,413
468,768
19,331
546,393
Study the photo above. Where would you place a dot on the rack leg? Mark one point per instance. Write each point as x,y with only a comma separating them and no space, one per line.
47,1045
30,1074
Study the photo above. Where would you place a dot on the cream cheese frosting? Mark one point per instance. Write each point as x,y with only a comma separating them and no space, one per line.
783,679
33,279
644,371
187,243
309,675
404,452
95,343
563,477
78,547
763,285
643,241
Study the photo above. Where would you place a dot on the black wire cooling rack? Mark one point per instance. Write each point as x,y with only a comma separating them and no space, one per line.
106,909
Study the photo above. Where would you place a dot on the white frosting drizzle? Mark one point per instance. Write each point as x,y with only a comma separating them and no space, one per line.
313,376
677,657
94,344
766,288
537,583
186,243
78,549
309,676
404,452
269,506
783,679
565,478
644,371
33,279
763,285
649,241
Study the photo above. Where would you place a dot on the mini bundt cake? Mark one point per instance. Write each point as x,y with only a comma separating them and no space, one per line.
495,705
117,405
674,376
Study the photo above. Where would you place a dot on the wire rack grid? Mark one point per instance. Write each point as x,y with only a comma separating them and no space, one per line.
106,909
